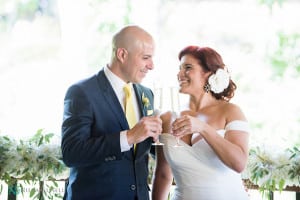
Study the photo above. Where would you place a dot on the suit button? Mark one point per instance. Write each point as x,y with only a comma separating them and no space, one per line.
132,187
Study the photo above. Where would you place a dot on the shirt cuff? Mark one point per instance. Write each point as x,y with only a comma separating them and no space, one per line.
123,141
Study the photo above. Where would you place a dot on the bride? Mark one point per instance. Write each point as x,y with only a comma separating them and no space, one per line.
213,133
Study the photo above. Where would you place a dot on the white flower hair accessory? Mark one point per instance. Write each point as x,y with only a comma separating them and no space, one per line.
219,81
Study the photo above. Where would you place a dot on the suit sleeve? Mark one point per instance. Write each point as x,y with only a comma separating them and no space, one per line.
80,147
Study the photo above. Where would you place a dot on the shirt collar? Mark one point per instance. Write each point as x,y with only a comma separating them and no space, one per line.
116,82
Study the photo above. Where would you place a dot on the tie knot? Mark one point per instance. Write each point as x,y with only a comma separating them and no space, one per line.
127,90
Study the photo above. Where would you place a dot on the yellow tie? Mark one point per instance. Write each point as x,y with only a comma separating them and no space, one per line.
129,109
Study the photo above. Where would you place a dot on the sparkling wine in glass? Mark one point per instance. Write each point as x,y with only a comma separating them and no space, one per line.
174,117
157,142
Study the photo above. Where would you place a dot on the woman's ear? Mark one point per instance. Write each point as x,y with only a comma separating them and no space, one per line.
207,74
121,54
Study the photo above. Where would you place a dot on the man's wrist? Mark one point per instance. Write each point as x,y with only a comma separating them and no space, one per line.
125,146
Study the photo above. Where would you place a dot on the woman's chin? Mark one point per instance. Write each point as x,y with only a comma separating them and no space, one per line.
183,91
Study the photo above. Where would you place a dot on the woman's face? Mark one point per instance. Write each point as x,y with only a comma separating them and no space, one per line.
191,76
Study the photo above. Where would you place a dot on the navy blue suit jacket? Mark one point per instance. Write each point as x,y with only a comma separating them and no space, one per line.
92,121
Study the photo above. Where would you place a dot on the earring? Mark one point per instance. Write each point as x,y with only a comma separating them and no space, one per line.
206,87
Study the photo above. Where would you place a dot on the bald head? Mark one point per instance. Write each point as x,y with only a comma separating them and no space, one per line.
130,38
132,54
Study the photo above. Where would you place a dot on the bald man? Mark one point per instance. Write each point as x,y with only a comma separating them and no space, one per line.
107,158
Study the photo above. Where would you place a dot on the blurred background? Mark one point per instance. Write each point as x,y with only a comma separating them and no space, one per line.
46,45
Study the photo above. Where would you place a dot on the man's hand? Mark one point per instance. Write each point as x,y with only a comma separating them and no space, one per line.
150,126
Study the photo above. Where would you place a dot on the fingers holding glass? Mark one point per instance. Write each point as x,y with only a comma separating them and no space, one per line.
173,119
156,139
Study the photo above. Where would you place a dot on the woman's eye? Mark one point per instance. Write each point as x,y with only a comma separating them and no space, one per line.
188,68
185,67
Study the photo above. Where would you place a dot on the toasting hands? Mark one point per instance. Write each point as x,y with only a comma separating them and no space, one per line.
186,124
150,126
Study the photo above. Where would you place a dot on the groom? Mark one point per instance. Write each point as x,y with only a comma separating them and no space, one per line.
107,158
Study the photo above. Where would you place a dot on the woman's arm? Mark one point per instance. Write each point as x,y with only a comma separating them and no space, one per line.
162,178
232,149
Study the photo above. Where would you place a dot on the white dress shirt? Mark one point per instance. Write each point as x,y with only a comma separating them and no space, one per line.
118,85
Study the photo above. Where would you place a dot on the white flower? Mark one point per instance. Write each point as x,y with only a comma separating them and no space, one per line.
219,81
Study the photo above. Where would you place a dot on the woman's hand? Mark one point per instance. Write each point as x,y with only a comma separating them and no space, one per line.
187,124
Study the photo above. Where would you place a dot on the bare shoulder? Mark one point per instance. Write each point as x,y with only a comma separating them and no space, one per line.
233,112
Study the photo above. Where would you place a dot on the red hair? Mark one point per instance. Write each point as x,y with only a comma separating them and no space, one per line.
210,61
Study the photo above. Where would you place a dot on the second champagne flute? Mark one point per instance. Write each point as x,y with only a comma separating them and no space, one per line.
174,117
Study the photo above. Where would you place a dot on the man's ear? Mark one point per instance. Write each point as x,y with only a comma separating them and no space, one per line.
121,54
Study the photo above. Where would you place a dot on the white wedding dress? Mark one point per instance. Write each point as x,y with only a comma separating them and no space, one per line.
198,172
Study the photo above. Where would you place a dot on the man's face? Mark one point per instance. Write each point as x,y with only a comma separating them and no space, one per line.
139,61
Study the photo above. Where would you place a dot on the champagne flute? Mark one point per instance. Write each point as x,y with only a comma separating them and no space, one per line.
174,117
157,142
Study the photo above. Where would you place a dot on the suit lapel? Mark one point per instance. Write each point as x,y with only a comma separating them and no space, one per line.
114,104
138,91
111,99
142,146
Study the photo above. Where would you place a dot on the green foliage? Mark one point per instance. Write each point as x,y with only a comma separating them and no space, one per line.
5,147
273,169
151,169
271,3
39,138
285,55
294,172
13,10
27,9
33,161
